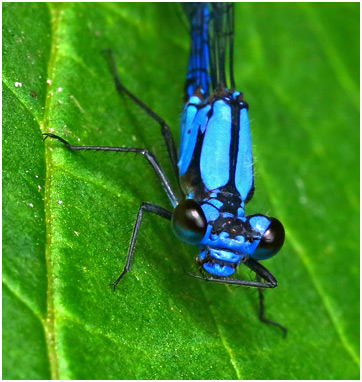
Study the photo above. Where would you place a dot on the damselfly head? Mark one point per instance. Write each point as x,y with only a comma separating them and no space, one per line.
256,236
228,241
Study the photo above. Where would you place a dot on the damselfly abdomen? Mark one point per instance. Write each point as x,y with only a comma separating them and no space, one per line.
214,165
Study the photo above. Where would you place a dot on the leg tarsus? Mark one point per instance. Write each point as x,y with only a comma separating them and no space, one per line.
115,283
51,135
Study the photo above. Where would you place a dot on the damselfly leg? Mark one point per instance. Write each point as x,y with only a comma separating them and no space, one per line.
165,129
262,317
145,207
171,149
260,271
148,155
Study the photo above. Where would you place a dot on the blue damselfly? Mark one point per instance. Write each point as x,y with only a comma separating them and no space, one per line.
214,164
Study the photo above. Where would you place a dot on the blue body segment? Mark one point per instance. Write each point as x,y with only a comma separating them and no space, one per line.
215,157
244,164
215,151
198,68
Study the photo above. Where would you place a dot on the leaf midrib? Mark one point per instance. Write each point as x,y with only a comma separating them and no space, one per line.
49,323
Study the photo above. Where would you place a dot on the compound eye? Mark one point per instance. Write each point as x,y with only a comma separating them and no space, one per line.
189,222
273,238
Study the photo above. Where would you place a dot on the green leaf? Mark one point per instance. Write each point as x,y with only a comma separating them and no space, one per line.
68,216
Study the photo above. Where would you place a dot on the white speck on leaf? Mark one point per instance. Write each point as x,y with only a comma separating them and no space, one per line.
77,233
49,82
60,201
18,84
302,194
60,89
31,205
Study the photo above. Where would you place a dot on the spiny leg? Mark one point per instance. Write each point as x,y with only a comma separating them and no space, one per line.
262,272
148,155
253,284
165,129
145,207
262,317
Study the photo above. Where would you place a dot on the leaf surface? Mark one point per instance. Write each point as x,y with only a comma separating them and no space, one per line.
68,216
